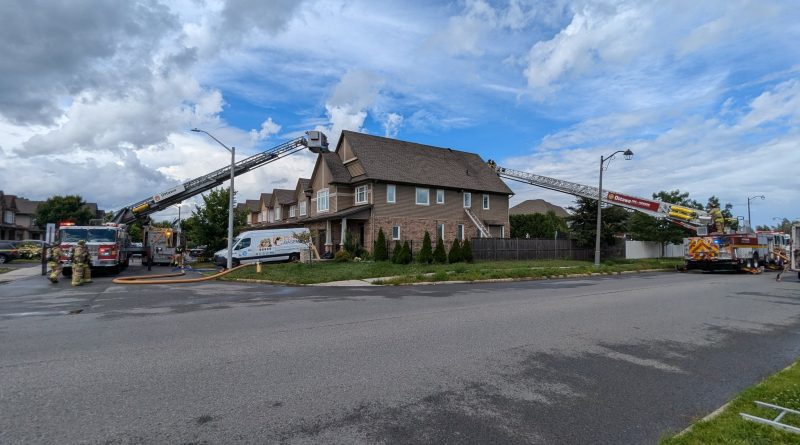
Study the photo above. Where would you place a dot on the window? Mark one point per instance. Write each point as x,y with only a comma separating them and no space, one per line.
485,202
391,191
322,200
292,211
440,231
395,232
303,208
243,244
361,194
423,196
460,232
278,213
467,200
8,217
439,196
264,216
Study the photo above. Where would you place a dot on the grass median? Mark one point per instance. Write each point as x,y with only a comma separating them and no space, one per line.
4,270
296,273
728,427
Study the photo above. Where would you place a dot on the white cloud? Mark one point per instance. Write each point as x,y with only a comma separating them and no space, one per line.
268,128
391,124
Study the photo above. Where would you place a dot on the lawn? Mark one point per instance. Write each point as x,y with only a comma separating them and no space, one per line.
4,270
296,273
782,389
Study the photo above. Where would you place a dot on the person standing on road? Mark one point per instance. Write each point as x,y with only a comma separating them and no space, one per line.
54,254
80,260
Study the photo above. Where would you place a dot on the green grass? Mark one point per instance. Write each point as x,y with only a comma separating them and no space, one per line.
296,273
4,270
729,427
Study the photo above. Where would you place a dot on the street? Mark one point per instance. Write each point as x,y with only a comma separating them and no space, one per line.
623,359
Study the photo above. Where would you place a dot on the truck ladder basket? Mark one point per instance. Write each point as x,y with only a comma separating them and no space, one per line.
776,422
482,228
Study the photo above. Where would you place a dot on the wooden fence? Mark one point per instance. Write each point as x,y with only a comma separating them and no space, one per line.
537,249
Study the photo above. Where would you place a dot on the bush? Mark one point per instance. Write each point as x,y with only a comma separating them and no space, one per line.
351,246
397,252
379,251
426,253
405,254
341,256
439,255
466,251
455,252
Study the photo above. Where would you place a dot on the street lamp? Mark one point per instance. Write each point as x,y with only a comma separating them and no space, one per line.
628,154
749,221
230,204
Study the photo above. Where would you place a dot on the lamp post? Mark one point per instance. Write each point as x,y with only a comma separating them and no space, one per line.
230,203
749,221
628,154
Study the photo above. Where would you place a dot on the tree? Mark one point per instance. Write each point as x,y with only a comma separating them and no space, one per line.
405,253
208,224
397,253
63,208
584,222
647,228
439,255
426,253
537,225
466,251
379,247
455,252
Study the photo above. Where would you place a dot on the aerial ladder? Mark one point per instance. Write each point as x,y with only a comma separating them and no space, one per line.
692,219
316,141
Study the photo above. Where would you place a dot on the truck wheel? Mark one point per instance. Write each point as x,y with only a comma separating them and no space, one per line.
294,257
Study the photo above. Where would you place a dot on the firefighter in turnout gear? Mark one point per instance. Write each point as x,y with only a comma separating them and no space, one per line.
53,261
80,264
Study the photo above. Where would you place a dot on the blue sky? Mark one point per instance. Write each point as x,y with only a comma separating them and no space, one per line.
97,97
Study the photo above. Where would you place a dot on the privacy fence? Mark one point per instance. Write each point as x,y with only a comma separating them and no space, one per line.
538,249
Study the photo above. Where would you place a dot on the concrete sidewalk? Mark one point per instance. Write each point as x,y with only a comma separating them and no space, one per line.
18,274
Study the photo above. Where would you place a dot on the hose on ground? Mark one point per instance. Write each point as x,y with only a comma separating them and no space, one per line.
148,279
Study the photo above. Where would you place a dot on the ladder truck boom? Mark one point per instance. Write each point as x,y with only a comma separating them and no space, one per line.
693,219
316,142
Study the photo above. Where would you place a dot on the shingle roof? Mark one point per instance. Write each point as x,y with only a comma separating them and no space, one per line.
339,173
26,206
253,205
392,160
283,196
536,206
302,184
265,199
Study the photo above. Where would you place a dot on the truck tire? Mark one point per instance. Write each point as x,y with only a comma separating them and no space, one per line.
294,257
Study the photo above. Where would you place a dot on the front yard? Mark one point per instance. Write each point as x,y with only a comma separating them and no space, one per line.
296,273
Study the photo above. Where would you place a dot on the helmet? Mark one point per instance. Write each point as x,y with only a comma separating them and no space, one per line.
82,242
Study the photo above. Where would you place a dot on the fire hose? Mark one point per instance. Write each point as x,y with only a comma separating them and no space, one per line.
149,279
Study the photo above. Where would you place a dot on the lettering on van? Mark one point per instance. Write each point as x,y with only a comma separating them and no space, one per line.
269,243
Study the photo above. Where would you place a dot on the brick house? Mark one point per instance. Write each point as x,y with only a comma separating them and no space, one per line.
371,182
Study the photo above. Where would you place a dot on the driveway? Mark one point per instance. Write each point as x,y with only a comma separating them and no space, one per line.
597,360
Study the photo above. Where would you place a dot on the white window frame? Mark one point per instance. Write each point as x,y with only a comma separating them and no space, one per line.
427,195
362,189
391,193
460,232
440,231
323,195
485,201
303,208
292,211
394,238
467,200
9,217
439,194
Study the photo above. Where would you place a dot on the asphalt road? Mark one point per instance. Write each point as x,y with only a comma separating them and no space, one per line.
618,360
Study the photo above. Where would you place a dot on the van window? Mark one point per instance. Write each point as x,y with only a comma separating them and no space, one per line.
243,244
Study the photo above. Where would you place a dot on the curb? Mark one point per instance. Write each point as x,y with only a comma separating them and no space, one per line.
434,283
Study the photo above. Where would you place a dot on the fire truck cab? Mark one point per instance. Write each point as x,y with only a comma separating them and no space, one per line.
107,245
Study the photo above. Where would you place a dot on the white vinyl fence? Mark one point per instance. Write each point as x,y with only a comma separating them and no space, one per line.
651,249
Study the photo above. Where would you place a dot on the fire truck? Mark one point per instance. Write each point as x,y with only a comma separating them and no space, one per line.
108,245
794,249
164,243
709,251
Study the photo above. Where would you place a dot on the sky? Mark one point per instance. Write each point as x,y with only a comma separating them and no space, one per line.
97,98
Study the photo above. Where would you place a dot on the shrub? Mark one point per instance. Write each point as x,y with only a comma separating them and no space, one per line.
341,256
379,251
439,255
405,254
455,252
351,246
397,252
466,251
426,253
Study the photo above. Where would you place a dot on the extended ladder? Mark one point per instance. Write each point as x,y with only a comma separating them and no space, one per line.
475,220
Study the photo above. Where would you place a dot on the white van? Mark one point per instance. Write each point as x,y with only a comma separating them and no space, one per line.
264,246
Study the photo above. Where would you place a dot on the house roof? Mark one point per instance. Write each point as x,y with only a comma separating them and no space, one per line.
265,199
302,184
339,173
241,206
533,206
392,160
284,196
254,205
26,206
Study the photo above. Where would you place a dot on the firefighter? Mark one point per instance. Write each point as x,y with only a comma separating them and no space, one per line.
719,219
80,262
54,253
